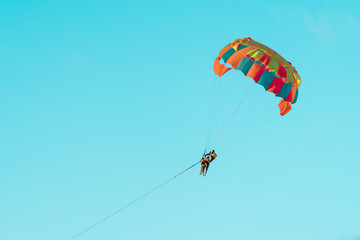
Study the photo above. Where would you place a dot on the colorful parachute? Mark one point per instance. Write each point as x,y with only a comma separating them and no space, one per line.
265,66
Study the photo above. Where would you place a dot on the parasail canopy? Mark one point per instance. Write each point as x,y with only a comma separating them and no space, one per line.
265,66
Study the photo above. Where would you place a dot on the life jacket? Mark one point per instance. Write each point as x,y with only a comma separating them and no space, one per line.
205,160
213,155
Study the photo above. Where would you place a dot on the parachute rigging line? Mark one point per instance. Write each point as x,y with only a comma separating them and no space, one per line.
231,117
131,203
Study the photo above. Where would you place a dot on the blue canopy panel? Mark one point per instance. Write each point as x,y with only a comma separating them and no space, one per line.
266,79
228,54
285,90
245,65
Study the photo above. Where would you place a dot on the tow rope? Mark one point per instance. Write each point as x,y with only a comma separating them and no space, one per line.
131,203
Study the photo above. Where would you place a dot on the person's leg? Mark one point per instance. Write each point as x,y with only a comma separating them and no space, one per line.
202,168
206,169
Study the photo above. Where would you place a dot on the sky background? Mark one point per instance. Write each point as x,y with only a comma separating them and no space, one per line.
101,101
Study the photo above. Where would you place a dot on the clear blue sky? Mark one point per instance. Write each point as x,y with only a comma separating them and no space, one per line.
100,101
